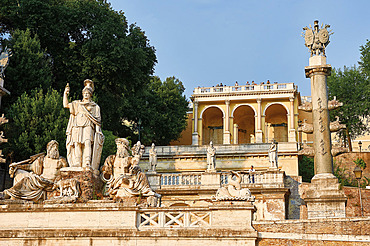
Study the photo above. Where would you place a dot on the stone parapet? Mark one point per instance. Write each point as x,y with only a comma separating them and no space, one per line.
107,223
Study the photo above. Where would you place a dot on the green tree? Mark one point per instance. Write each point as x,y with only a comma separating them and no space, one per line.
351,87
29,68
88,39
35,119
164,115
306,168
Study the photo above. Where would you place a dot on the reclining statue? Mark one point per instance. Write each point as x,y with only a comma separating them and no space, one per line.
34,177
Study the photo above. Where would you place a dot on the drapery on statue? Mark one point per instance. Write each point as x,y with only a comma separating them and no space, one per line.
317,39
153,158
84,135
273,158
123,175
211,158
44,170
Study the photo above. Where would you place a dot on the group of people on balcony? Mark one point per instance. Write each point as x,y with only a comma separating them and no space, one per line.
252,83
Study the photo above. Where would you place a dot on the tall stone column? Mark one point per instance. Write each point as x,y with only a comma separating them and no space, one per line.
227,134
292,134
195,135
259,133
318,72
323,198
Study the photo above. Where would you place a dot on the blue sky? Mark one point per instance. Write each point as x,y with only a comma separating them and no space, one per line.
206,42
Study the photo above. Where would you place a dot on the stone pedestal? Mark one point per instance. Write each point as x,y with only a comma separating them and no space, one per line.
91,186
324,198
227,137
292,136
259,136
154,180
195,138
211,179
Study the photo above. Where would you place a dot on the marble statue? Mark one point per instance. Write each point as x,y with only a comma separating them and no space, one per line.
84,135
317,39
153,158
33,180
273,157
211,158
4,61
233,191
123,175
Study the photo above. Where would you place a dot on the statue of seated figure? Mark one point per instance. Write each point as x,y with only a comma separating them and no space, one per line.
123,175
35,176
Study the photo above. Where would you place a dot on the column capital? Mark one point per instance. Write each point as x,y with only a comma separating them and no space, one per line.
317,70
227,102
259,100
291,98
196,103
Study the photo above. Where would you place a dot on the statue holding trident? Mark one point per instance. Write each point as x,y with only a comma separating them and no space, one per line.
84,135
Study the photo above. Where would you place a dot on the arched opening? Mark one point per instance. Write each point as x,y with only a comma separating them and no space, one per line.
212,123
244,118
276,123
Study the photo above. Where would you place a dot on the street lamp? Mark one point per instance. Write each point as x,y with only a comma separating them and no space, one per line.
358,174
360,145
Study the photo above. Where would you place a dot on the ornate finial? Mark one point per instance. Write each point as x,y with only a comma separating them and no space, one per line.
317,39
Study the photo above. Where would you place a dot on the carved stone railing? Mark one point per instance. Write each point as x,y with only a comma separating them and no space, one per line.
181,179
173,219
245,88
199,180
191,150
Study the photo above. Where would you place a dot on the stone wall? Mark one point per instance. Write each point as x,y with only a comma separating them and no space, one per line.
346,231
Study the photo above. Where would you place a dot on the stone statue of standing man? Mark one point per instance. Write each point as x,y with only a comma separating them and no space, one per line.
84,135
273,157
153,158
211,158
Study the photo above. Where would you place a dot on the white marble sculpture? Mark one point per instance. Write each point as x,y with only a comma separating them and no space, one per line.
233,191
84,135
273,156
123,175
211,158
35,176
153,158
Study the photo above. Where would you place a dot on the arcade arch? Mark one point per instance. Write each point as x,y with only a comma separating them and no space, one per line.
212,125
276,122
244,117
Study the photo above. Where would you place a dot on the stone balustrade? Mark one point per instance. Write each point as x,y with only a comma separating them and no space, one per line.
192,150
245,88
199,180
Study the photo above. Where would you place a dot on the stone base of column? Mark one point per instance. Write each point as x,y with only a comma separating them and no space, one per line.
259,136
195,138
324,198
227,137
292,136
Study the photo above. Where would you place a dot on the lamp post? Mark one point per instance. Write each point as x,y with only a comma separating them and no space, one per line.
358,174
360,145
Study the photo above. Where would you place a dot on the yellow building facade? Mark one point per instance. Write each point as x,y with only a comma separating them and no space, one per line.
245,114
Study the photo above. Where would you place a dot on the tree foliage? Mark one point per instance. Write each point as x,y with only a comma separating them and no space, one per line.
35,119
351,87
306,168
88,39
30,66
81,39
166,105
